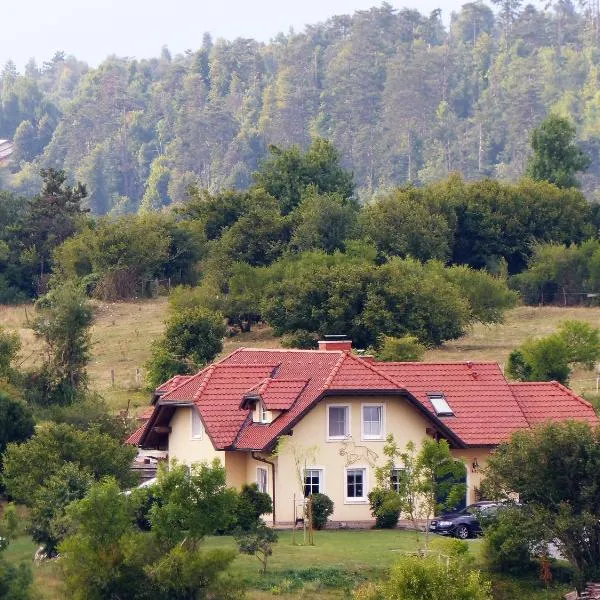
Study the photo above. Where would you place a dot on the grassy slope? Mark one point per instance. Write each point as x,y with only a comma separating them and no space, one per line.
123,333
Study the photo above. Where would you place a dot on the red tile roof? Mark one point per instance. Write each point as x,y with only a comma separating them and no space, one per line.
487,409
551,401
278,394
136,437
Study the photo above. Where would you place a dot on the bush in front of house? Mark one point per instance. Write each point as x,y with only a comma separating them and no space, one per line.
385,507
322,509
251,505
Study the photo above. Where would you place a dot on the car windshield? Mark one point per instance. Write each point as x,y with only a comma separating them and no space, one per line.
474,509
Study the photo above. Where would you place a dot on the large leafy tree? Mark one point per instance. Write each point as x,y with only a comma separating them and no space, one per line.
555,470
556,156
287,173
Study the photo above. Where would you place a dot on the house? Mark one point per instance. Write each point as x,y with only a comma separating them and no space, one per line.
344,406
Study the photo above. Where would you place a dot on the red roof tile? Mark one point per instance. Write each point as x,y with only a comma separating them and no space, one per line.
487,409
551,401
278,394
136,437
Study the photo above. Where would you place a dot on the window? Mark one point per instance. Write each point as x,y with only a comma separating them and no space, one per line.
262,479
312,481
372,421
356,484
398,479
196,424
264,417
338,425
440,405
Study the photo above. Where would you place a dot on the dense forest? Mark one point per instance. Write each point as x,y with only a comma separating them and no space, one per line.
403,99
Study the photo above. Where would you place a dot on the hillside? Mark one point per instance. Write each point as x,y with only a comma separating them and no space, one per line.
123,333
403,97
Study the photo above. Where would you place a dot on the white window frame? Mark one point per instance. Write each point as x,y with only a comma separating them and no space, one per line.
263,413
395,468
347,435
321,477
259,479
195,414
364,499
363,435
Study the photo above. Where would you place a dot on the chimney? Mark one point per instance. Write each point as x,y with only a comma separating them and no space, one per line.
335,342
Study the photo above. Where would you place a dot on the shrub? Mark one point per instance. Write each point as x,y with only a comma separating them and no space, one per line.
415,578
405,348
251,505
507,545
302,339
385,507
322,509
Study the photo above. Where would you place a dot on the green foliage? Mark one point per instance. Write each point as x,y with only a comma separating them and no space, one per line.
556,157
509,541
287,173
551,358
554,470
16,420
385,507
10,344
251,505
560,274
327,294
106,555
301,339
195,334
417,577
64,322
57,466
15,580
405,348
322,509
163,365
191,505
28,465
322,222
258,542
430,480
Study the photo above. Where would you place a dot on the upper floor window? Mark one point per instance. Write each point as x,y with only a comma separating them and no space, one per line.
372,422
338,422
196,424
264,414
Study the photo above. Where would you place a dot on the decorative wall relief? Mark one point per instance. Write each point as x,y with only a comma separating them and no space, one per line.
358,454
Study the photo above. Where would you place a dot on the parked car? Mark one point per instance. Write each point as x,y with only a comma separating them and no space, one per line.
464,523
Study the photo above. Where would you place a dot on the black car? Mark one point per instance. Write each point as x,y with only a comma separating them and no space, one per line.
463,523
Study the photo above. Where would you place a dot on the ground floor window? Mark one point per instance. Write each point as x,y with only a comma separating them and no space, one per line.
398,479
356,481
313,482
262,480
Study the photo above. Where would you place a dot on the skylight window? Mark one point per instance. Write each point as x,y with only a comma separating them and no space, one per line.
440,404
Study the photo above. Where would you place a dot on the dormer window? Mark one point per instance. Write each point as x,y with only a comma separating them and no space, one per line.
264,413
440,404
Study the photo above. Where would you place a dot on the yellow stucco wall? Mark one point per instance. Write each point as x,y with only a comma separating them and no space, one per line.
400,418
474,474
182,447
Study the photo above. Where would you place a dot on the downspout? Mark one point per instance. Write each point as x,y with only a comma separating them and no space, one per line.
272,464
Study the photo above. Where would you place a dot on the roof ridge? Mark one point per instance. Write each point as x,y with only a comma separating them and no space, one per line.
288,350
236,351
335,369
570,392
187,379
371,366
443,362
204,383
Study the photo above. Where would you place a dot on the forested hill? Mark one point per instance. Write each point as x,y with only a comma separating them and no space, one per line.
401,97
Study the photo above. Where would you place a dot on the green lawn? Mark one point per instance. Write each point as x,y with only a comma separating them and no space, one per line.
338,562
